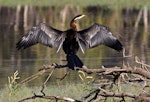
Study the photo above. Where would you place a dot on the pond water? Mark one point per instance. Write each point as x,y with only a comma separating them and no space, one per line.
128,25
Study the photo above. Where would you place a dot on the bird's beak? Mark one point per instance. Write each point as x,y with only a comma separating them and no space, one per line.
82,16
79,17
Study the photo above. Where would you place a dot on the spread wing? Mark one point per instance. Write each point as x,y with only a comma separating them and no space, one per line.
97,35
42,34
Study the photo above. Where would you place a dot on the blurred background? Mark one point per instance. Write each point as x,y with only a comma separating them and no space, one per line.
128,20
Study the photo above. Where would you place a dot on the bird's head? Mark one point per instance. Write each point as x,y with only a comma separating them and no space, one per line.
73,24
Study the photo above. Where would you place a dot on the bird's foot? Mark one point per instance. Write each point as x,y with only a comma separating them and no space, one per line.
54,64
77,68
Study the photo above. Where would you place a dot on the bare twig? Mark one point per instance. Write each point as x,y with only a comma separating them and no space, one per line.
143,64
93,92
112,94
28,79
142,97
67,73
42,70
44,84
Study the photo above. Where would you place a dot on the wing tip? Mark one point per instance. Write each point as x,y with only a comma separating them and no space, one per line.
119,46
21,44
120,49
18,47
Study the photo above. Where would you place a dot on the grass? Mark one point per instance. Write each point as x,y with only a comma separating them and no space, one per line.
72,90
112,4
14,92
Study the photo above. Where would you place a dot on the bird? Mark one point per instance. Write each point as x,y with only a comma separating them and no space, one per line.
70,40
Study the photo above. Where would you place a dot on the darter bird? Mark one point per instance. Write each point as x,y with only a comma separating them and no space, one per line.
70,40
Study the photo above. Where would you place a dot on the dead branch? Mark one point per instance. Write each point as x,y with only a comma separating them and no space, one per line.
142,98
138,98
96,92
102,90
112,94
107,71
42,70
50,98
44,84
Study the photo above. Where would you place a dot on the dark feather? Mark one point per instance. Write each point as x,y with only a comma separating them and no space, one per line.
74,61
97,35
42,34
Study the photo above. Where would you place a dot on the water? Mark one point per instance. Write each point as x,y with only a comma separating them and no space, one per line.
14,22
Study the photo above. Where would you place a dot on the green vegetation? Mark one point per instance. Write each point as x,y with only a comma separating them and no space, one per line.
108,3
69,90
72,90
14,91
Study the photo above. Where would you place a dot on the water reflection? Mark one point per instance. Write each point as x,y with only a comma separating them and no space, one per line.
129,25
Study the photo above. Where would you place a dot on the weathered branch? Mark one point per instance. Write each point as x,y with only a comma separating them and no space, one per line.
112,94
102,92
139,98
50,98
99,92
96,92
136,70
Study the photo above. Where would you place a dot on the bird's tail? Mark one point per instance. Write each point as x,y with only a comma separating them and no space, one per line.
74,61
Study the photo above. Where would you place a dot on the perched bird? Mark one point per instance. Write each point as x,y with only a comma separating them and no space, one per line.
70,40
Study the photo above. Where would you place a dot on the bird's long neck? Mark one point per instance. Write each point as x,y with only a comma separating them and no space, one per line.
73,25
